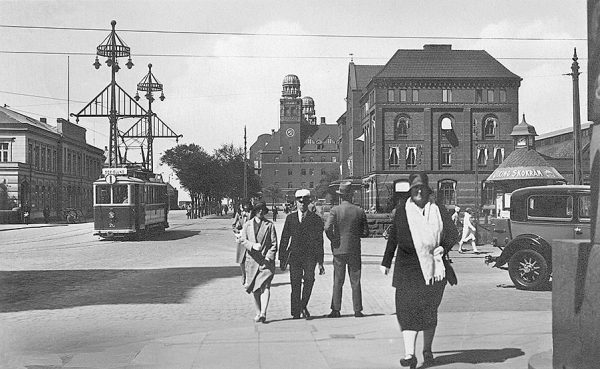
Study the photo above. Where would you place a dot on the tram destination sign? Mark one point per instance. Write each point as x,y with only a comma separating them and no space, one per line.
114,171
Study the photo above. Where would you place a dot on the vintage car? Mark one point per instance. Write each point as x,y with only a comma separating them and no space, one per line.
538,216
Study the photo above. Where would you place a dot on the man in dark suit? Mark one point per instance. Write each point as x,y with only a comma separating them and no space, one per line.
301,248
344,227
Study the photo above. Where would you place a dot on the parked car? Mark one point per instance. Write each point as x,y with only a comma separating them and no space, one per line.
538,216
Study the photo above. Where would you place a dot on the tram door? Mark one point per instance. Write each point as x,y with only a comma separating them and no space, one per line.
138,209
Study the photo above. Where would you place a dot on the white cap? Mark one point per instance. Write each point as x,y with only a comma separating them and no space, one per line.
303,193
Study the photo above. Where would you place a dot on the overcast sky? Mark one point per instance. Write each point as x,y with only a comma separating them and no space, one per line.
228,81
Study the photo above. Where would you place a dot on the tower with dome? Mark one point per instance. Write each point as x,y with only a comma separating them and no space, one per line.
302,150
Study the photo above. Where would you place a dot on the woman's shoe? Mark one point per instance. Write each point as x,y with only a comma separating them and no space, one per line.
409,361
262,319
428,358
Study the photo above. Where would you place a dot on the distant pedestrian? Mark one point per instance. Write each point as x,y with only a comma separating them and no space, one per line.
301,248
421,234
46,214
455,216
238,223
468,232
26,214
275,211
259,239
344,227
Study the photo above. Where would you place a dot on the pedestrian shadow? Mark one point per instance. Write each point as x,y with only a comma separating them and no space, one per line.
476,356
62,289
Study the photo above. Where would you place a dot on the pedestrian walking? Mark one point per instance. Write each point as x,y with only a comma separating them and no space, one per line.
468,232
275,211
301,248
238,223
344,227
455,216
259,239
46,214
422,232
26,214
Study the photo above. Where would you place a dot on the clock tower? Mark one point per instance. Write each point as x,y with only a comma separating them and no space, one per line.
290,116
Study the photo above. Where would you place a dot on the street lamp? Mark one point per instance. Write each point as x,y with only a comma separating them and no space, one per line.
112,48
148,85
475,144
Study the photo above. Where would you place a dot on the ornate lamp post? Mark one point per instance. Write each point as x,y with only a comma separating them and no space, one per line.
148,85
476,157
113,47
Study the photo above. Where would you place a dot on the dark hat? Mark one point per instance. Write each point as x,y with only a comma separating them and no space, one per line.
419,179
261,205
345,188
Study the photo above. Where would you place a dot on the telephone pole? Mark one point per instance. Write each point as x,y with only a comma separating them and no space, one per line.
245,168
577,172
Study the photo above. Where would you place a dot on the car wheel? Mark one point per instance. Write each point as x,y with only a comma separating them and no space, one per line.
528,270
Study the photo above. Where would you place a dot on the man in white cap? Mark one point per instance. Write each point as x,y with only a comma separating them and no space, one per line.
346,224
301,248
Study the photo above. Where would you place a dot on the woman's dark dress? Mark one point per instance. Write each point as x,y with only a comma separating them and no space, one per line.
416,303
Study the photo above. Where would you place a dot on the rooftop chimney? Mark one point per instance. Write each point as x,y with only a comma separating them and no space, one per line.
43,120
437,47
322,120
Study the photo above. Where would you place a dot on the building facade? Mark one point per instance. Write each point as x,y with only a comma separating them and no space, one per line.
301,151
45,166
446,112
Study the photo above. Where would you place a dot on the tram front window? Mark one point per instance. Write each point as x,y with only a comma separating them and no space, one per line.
120,194
103,194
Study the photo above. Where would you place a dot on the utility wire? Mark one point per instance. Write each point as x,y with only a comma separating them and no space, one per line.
254,56
316,35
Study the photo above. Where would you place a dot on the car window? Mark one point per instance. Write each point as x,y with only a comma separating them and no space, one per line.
585,207
550,207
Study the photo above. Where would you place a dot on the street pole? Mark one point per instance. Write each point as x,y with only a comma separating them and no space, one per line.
577,173
475,141
245,168
148,85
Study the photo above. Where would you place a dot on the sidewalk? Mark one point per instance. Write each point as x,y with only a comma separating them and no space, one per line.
499,337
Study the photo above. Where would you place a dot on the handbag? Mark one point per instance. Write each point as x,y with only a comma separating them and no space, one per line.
450,273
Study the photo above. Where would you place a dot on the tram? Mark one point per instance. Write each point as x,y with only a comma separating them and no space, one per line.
129,203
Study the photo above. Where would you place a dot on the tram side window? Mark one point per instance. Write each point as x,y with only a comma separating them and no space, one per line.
120,194
103,194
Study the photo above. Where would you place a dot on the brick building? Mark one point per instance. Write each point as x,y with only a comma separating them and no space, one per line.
446,112
302,150
42,165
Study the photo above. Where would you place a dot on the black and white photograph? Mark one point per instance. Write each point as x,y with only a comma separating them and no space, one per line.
313,184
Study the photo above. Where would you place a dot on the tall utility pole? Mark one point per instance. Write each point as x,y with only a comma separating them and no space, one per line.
245,168
148,85
577,172
476,162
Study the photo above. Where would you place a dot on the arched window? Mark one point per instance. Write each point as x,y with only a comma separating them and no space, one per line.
490,127
401,127
447,192
447,123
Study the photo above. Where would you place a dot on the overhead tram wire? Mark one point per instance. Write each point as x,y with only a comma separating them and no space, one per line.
315,35
254,56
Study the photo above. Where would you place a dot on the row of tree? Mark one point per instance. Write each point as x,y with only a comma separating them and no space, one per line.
208,178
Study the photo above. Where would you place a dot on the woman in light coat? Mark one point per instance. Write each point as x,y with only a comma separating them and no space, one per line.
468,233
259,238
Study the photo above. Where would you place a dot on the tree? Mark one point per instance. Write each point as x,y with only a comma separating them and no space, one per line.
322,189
273,192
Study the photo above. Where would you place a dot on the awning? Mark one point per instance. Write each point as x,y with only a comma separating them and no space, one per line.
520,173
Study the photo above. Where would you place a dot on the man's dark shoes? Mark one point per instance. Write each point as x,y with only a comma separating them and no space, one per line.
305,313
334,314
358,314
296,316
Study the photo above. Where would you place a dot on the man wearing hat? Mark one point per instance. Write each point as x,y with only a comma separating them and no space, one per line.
344,227
301,248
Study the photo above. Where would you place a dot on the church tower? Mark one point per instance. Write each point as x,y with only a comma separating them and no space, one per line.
290,116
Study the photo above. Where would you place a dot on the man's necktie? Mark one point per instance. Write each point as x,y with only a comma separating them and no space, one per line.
303,217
